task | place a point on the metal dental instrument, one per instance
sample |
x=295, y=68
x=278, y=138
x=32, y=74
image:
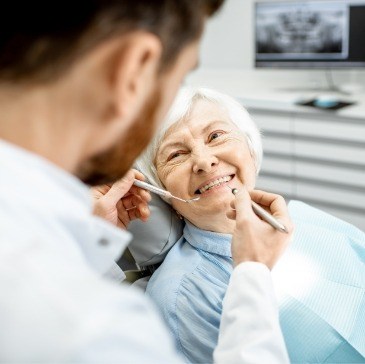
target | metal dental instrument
x=160, y=191
x=264, y=215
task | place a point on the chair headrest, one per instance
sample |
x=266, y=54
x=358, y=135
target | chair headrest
x=153, y=239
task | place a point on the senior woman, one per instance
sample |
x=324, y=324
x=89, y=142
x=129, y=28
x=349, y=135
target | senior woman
x=207, y=146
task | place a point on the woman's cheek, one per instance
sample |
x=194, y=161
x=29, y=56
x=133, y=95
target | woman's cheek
x=162, y=174
x=177, y=178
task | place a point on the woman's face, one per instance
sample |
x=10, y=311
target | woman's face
x=202, y=156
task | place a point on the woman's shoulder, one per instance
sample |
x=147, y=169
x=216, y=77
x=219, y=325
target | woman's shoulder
x=179, y=264
x=188, y=300
x=186, y=274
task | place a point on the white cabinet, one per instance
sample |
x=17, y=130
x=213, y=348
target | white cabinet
x=318, y=158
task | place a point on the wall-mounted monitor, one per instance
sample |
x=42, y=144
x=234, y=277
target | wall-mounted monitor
x=310, y=34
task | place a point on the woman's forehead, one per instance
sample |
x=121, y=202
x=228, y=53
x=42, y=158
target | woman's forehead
x=206, y=109
x=195, y=128
x=203, y=115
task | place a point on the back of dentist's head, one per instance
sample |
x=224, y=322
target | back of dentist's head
x=41, y=40
x=181, y=108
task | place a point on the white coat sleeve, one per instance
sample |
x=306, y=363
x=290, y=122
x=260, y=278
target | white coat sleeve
x=250, y=331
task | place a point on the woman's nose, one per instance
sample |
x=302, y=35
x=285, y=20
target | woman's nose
x=205, y=162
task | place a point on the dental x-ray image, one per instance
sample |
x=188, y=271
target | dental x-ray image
x=306, y=29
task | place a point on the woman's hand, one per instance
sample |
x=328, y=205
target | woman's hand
x=122, y=202
x=254, y=239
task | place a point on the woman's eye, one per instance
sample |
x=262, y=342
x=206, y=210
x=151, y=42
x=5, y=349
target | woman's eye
x=174, y=155
x=215, y=135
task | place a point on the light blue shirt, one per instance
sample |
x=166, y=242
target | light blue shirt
x=320, y=284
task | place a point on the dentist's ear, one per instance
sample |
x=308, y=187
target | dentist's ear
x=135, y=73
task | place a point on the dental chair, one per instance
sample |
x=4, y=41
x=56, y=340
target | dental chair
x=151, y=242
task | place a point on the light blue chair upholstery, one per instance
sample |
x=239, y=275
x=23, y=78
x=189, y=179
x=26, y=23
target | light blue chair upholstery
x=321, y=288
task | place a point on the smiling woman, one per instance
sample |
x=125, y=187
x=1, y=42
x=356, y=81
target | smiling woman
x=208, y=146
x=207, y=143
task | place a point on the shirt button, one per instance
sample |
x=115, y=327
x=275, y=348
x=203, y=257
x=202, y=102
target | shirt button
x=103, y=242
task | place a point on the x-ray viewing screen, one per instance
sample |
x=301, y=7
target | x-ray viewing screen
x=310, y=33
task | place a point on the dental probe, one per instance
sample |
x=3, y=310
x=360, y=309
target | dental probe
x=265, y=215
x=160, y=191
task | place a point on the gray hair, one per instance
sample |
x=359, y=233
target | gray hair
x=181, y=108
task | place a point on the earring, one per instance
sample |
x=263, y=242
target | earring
x=179, y=215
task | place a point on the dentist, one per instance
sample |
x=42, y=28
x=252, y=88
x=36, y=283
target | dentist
x=82, y=88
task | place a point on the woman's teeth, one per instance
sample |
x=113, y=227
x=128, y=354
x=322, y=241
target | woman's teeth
x=215, y=183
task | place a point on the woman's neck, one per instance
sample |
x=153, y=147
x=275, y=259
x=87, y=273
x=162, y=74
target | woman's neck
x=218, y=223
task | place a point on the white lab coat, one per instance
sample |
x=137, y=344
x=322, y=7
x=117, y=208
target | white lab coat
x=56, y=304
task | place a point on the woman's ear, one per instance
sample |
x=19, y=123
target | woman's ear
x=134, y=73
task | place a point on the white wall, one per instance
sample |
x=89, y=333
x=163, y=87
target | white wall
x=228, y=45
x=227, y=42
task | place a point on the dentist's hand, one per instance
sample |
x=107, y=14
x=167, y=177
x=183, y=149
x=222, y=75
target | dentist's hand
x=254, y=239
x=122, y=202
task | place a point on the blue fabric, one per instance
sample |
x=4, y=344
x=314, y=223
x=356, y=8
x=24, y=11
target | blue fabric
x=320, y=284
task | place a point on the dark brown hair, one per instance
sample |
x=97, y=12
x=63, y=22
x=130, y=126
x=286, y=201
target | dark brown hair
x=40, y=40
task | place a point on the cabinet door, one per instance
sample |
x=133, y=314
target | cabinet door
x=276, y=173
x=347, y=175
x=318, y=159
x=332, y=195
x=329, y=154
x=331, y=128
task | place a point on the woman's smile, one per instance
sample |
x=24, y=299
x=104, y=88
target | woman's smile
x=214, y=184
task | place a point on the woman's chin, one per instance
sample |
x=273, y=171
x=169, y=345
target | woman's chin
x=216, y=202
